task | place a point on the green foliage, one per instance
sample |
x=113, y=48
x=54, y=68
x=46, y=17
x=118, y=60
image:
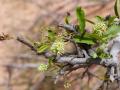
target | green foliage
x=94, y=55
x=81, y=19
x=113, y=30
x=102, y=32
x=51, y=35
x=67, y=18
x=50, y=62
x=101, y=54
x=99, y=18
x=94, y=42
x=93, y=36
x=117, y=8
x=111, y=20
x=85, y=40
x=42, y=48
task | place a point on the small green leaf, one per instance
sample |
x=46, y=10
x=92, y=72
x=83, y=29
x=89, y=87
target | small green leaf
x=50, y=62
x=51, y=35
x=67, y=18
x=81, y=19
x=94, y=55
x=117, y=8
x=113, y=30
x=99, y=18
x=93, y=36
x=84, y=40
x=111, y=20
x=42, y=48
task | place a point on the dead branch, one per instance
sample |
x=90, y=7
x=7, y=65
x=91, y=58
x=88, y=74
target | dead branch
x=21, y=66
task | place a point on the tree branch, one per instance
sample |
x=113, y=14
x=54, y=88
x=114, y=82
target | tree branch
x=21, y=66
x=111, y=64
x=26, y=42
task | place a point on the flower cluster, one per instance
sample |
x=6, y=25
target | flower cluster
x=99, y=28
x=117, y=21
x=67, y=85
x=43, y=67
x=58, y=46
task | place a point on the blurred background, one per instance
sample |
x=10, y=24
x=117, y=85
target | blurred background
x=28, y=17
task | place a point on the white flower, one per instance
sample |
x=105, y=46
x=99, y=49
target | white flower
x=58, y=46
x=116, y=21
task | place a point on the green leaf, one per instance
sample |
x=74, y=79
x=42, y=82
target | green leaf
x=117, y=8
x=51, y=35
x=81, y=19
x=42, y=48
x=99, y=18
x=67, y=18
x=113, y=30
x=50, y=62
x=111, y=20
x=84, y=40
x=93, y=36
x=94, y=55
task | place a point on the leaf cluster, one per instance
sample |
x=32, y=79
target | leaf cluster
x=86, y=37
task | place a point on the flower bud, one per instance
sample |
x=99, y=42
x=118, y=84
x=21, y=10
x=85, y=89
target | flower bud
x=58, y=46
x=99, y=28
x=43, y=67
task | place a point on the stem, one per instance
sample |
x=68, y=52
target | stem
x=89, y=21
